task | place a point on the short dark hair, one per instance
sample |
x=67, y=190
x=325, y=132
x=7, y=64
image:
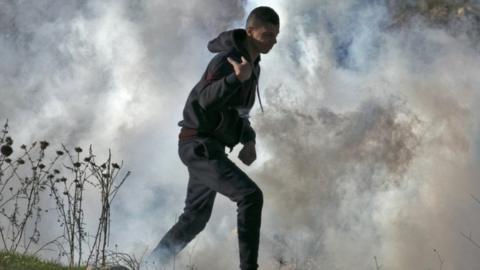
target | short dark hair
x=261, y=15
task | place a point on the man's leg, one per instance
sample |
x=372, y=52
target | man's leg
x=222, y=175
x=198, y=208
x=197, y=212
x=238, y=187
x=216, y=172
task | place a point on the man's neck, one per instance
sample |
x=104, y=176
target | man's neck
x=251, y=51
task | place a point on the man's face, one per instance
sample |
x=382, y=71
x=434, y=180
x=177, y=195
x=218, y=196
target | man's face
x=264, y=36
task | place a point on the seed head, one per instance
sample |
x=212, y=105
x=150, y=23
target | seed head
x=9, y=140
x=6, y=150
x=44, y=145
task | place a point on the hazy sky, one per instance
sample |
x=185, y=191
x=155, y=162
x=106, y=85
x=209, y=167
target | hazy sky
x=368, y=145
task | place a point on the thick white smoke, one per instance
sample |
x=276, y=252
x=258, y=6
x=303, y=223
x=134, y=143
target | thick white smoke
x=372, y=140
x=367, y=147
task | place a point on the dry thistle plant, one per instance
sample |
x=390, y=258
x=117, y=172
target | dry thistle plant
x=20, y=195
x=105, y=176
x=120, y=258
x=29, y=179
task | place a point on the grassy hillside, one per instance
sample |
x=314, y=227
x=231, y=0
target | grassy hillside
x=11, y=261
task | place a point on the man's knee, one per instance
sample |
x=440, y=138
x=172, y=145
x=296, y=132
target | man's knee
x=255, y=197
x=258, y=196
x=196, y=220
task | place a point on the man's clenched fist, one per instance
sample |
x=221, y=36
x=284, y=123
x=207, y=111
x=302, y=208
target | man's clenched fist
x=248, y=154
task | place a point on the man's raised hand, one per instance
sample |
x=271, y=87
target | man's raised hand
x=243, y=70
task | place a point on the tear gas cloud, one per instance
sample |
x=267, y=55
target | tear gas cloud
x=367, y=147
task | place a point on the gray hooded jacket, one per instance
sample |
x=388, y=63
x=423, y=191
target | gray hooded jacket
x=219, y=104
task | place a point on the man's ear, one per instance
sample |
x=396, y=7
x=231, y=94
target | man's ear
x=249, y=30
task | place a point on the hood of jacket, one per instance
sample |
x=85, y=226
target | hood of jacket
x=228, y=40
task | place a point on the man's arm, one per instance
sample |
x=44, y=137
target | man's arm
x=221, y=84
x=248, y=153
x=248, y=134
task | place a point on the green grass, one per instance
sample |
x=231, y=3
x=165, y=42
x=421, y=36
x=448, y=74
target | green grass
x=13, y=261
